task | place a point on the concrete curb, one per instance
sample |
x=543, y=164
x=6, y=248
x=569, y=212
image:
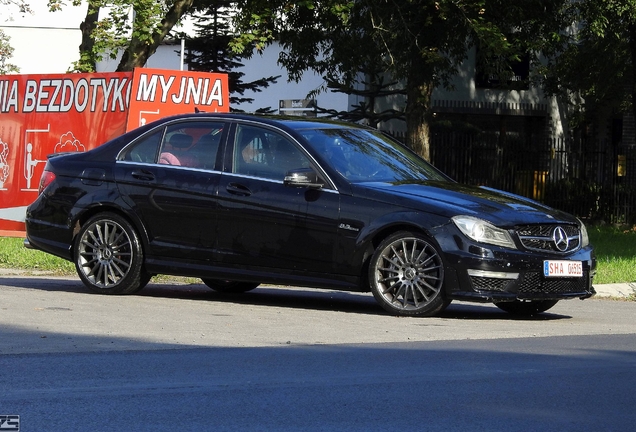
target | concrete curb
x=620, y=290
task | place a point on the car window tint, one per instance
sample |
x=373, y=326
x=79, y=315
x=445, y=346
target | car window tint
x=361, y=155
x=145, y=149
x=264, y=153
x=192, y=144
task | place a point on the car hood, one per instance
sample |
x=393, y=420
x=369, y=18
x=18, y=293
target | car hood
x=451, y=199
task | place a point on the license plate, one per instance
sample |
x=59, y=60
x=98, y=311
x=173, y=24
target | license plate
x=562, y=268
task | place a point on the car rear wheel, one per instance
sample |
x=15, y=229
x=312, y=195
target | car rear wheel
x=406, y=274
x=229, y=286
x=108, y=256
x=526, y=308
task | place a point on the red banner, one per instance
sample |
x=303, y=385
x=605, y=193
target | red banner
x=45, y=114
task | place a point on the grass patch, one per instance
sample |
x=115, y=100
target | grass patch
x=615, y=252
x=14, y=255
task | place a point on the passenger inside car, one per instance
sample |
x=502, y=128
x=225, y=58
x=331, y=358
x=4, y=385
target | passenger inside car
x=175, y=152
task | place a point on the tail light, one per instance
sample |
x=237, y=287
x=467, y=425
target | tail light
x=45, y=180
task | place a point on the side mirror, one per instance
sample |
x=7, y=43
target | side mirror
x=303, y=177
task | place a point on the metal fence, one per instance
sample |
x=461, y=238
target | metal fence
x=593, y=180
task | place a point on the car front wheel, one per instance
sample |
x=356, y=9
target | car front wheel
x=108, y=256
x=406, y=275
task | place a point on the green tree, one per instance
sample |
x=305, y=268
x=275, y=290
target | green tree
x=372, y=86
x=209, y=50
x=6, y=52
x=21, y=6
x=134, y=28
x=598, y=64
x=89, y=55
x=421, y=43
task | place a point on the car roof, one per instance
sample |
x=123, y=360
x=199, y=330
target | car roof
x=291, y=122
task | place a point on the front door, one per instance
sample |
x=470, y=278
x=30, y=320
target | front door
x=262, y=222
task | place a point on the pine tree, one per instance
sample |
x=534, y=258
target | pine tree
x=209, y=51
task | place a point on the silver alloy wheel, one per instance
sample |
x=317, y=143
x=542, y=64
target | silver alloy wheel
x=105, y=254
x=409, y=274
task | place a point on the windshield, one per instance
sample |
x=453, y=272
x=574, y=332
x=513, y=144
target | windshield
x=361, y=155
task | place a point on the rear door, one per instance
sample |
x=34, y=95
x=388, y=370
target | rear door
x=170, y=178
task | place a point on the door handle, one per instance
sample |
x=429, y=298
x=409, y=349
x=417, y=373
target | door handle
x=238, y=189
x=143, y=175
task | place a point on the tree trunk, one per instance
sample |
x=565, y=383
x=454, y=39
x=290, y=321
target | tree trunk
x=419, y=90
x=88, y=60
x=138, y=51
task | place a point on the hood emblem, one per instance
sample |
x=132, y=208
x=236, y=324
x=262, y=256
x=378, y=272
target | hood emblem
x=560, y=238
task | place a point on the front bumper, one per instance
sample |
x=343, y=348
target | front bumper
x=527, y=286
x=494, y=274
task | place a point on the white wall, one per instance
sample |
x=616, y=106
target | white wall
x=43, y=50
x=166, y=57
x=43, y=42
x=265, y=65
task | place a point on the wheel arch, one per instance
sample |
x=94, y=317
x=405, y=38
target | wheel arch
x=81, y=218
x=378, y=235
x=411, y=222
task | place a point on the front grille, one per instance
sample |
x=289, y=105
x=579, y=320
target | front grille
x=535, y=283
x=541, y=238
x=489, y=284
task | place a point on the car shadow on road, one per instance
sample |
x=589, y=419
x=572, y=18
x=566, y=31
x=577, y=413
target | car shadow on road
x=45, y=283
x=283, y=297
x=327, y=300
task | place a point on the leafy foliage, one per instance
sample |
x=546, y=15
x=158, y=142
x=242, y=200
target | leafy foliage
x=6, y=52
x=420, y=43
x=371, y=88
x=209, y=51
x=598, y=62
x=21, y=6
x=134, y=28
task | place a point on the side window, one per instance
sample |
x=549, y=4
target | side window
x=263, y=153
x=145, y=150
x=192, y=144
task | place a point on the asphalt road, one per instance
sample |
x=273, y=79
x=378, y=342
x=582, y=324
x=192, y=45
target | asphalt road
x=182, y=357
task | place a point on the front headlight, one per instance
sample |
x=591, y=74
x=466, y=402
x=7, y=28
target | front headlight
x=585, y=239
x=483, y=232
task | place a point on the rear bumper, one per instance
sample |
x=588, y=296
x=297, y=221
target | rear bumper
x=27, y=244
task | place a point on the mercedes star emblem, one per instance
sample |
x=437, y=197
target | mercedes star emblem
x=560, y=238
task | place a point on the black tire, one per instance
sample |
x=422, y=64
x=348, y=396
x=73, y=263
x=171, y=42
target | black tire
x=144, y=279
x=526, y=308
x=226, y=286
x=406, y=276
x=108, y=256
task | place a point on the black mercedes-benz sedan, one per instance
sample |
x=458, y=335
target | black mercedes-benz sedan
x=242, y=200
